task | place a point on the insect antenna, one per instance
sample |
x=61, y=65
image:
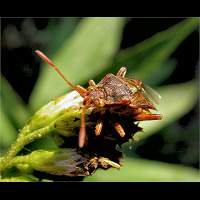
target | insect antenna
x=78, y=88
x=81, y=90
x=50, y=62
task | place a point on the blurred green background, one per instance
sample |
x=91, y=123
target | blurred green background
x=162, y=52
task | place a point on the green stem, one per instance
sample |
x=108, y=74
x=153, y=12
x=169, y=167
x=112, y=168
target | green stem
x=23, y=140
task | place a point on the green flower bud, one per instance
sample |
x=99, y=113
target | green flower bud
x=57, y=162
x=61, y=115
x=69, y=104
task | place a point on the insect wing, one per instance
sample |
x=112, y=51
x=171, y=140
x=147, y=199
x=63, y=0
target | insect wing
x=131, y=83
x=151, y=94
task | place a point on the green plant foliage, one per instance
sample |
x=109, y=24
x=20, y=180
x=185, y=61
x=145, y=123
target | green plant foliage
x=89, y=50
x=7, y=133
x=146, y=170
x=20, y=179
x=58, y=115
x=57, y=162
x=18, y=113
x=59, y=33
x=147, y=59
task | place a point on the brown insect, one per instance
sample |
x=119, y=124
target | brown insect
x=116, y=93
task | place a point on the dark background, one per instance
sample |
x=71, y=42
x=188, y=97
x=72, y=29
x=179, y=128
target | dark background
x=21, y=68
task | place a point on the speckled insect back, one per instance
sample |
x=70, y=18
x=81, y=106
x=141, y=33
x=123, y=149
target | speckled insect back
x=116, y=95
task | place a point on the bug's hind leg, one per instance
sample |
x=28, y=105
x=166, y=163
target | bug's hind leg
x=143, y=117
x=122, y=72
x=119, y=129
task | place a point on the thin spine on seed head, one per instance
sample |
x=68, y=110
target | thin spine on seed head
x=107, y=162
x=119, y=129
x=98, y=127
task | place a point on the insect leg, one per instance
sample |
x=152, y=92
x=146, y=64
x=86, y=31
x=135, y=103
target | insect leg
x=121, y=72
x=143, y=117
x=91, y=83
x=119, y=129
x=82, y=131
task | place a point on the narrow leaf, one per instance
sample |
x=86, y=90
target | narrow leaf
x=7, y=132
x=13, y=105
x=145, y=59
x=59, y=32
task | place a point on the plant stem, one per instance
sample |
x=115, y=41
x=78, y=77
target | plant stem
x=23, y=140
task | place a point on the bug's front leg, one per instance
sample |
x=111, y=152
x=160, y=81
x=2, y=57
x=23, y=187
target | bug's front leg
x=143, y=117
x=82, y=131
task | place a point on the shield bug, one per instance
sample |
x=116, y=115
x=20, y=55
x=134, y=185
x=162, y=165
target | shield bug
x=116, y=93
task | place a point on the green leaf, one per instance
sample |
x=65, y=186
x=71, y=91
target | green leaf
x=146, y=170
x=81, y=57
x=22, y=178
x=7, y=132
x=13, y=105
x=176, y=101
x=162, y=73
x=145, y=59
x=59, y=32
